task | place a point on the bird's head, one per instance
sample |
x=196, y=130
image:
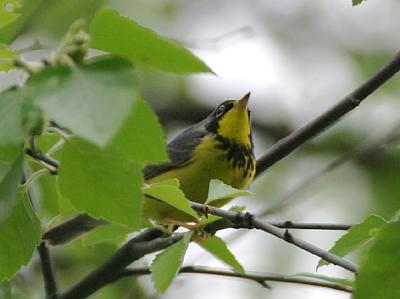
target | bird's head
x=231, y=119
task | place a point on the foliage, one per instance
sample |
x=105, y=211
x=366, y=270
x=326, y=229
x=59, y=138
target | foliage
x=379, y=272
x=19, y=235
x=170, y=193
x=357, y=236
x=357, y=2
x=90, y=115
x=166, y=264
x=217, y=247
x=114, y=33
x=7, y=56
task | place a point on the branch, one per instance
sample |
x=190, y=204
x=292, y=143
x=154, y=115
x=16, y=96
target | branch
x=35, y=153
x=50, y=283
x=150, y=240
x=71, y=229
x=294, y=140
x=361, y=152
x=259, y=278
x=247, y=220
x=215, y=226
x=42, y=157
x=302, y=225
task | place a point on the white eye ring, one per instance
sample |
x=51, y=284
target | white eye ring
x=220, y=111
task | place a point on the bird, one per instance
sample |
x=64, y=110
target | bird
x=218, y=147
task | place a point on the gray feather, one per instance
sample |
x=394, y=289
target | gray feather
x=180, y=149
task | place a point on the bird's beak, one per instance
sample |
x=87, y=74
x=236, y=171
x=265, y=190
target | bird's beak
x=242, y=103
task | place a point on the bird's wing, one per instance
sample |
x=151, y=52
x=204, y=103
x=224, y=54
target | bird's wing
x=180, y=150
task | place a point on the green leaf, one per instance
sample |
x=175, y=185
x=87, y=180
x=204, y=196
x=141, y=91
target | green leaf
x=379, y=273
x=8, y=11
x=357, y=236
x=19, y=236
x=9, y=31
x=92, y=100
x=47, y=194
x=65, y=206
x=218, y=191
x=357, y=2
x=112, y=232
x=46, y=141
x=170, y=182
x=7, y=58
x=9, y=187
x=171, y=195
x=141, y=137
x=166, y=264
x=8, y=154
x=102, y=183
x=114, y=33
x=11, y=117
x=217, y=247
x=52, y=21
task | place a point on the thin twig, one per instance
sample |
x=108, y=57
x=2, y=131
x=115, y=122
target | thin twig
x=260, y=278
x=148, y=241
x=34, y=176
x=247, y=220
x=35, y=153
x=221, y=224
x=50, y=283
x=305, y=225
x=294, y=140
x=59, y=131
x=76, y=226
x=390, y=140
x=44, y=158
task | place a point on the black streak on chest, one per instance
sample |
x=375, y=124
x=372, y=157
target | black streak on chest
x=239, y=155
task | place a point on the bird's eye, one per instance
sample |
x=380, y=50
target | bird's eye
x=220, y=110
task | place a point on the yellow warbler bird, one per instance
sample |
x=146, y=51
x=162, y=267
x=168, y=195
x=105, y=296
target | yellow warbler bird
x=218, y=147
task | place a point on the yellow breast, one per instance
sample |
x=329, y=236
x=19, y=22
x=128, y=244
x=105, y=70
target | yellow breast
x=215, y=158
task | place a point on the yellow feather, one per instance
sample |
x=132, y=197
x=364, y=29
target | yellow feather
x=209, y=161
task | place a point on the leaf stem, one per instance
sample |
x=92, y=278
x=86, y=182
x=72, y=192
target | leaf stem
x=35, y=176
x=58, y=131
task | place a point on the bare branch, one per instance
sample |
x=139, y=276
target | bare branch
x=365, y=150
x=148, y=241
x=260, y=278
x=50, y=283
x=294, y=140
x=215, y=226
x=247, y=220
x=316, y=226
x=71, y=229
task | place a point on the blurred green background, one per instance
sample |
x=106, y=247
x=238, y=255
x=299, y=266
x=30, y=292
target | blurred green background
x=297, y=58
